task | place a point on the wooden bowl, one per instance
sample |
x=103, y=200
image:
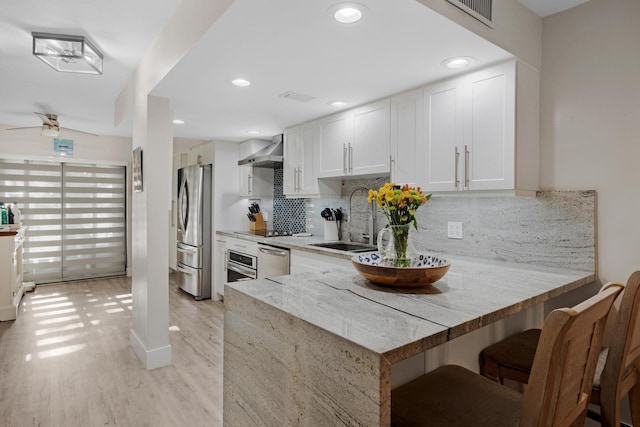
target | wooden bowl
x=423, y=271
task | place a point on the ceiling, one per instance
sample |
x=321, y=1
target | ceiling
x=549, y=7
x=279, y=45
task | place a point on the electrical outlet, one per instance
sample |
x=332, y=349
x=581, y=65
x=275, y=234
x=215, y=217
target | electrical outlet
x=454, y=230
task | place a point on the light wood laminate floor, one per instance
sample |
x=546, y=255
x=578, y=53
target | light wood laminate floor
x=66, y=361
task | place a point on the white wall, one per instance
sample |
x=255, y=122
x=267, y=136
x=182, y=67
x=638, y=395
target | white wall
x=516, y=29
x=28, y=142
x=590, y=120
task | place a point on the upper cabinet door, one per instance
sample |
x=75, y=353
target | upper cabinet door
x=490, y=126
x=291, y=161
x=335, y=133
x=307, y=150
x=407, y=136
x=355, y=142
x=470, y=140
x=444, y=131
x=368, y=150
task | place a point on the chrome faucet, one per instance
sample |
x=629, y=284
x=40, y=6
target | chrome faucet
x=371, y=237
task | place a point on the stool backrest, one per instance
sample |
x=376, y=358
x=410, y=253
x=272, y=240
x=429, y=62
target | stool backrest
x=565, y=362
x=622, y=368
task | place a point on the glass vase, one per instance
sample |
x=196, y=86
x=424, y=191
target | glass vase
x=398, y=250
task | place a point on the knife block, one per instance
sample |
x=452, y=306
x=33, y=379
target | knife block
x=258, y=224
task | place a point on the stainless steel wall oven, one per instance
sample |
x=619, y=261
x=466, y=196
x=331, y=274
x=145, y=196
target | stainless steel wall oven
x=241, y=266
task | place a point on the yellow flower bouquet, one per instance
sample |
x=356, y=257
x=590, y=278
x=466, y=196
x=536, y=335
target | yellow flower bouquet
x=399, y=204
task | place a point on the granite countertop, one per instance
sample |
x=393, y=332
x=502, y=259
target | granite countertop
x=290, y=242
x=400, y=323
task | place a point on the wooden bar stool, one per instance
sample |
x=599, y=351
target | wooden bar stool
x=618, y=369
x=559, y=384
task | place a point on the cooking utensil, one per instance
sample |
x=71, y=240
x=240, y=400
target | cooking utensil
x=327, y=214
x=337, y=213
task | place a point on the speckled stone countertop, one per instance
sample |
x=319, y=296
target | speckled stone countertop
x=397, y=324
x=290, y=242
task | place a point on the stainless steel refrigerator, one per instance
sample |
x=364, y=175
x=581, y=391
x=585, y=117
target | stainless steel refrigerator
x=194, y=230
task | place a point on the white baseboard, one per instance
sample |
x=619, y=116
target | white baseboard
x=151, y=359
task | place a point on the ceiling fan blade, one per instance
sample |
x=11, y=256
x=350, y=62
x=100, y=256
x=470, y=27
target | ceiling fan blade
x=45, y=119
x=25, y=127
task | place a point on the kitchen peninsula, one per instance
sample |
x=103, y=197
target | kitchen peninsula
x=318, y=348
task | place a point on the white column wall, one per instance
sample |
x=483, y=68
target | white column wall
x=152, y=130
x=151, y=207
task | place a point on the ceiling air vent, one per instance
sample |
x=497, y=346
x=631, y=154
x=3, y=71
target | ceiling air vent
x=296, y=96
x=482, y=10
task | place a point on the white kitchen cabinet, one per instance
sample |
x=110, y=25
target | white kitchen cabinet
x=407, y=136
x=444, y=132
x=355, y=142
x=11, y=286
x=222, y=245
x=256, y=182
x=470, y=133
x=220, y=268
x=299, y=169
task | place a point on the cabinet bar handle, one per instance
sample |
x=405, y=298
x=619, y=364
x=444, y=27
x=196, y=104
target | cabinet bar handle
x=457, y=159
x=249, y=186
x=350, y=159
x=466, y=167
x=344, y=157
x=299, y=179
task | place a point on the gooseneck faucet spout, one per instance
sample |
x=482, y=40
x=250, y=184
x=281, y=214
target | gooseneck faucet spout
x=371, y=237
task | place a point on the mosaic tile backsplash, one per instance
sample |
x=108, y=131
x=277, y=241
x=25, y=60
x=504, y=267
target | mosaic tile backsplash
x=288, y=214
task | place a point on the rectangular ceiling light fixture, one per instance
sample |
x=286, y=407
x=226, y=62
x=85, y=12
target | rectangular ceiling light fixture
x=70, y=54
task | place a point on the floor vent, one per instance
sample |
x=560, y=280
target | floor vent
x=296, y=96
x=482, y=10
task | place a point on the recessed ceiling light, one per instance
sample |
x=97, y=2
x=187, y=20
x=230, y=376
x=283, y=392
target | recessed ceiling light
x=457, y=62
x=337, y=103
x=241, y=82
x=253, y=132
x=348, y=13
x=178, y=122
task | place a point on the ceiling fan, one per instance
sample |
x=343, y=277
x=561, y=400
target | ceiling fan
x=51, y=126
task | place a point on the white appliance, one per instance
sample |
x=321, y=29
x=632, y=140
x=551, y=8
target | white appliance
x=194, y=230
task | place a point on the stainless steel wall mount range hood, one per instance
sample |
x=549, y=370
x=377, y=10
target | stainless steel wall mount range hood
x=269, y=157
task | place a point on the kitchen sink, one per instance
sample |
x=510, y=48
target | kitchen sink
x=346, y=246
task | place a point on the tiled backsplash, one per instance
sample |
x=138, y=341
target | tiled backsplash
x=555, y=229
x=288, y=214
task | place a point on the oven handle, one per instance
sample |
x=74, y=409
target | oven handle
x=276, y=252
x=241, y=270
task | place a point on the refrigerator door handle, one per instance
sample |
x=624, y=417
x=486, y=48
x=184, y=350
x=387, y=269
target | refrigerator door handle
x=183, y=205
x=186, y=270
x=186, y=249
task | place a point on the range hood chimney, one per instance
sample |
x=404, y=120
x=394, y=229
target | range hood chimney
x=268, y=157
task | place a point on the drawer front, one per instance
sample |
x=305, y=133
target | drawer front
x=243, y=246
x=189, y=255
